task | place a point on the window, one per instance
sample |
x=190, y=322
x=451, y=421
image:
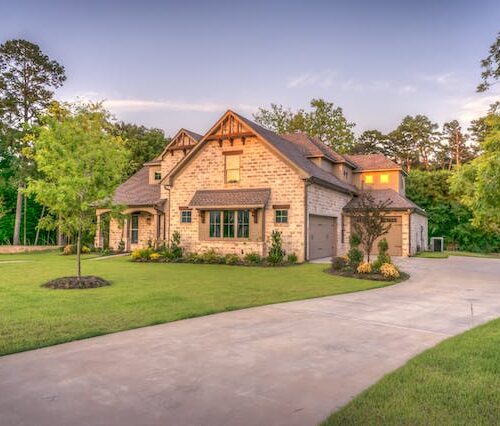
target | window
x=281, y=216
x=215, y=224
x=134, y=229
x=369, y=179
x=157, y=175
x=185, y=216
x=384, y=178
x=232, y=171
x=243, y=224
x=229, y=224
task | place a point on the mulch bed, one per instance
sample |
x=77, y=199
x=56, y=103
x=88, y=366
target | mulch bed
x=374, y=277
x=69, y=283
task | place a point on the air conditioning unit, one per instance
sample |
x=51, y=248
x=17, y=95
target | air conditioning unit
x=437, y=244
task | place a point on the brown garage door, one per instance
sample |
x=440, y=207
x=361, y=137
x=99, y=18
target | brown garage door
x=322, y=231
x=394, y=236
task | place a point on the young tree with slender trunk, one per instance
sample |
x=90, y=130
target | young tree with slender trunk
x=368, y=219
x=80, y=164
x=27, y=77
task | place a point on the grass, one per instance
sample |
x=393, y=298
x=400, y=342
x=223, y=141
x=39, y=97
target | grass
x=141, y=294
x=456, y=382
x=445, y=254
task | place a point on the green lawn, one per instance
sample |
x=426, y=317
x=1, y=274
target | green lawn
x=445, y=254
x=456, y=382
x=141, y=294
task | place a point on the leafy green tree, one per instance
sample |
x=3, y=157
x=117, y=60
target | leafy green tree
x=373, y=142
x=478, y=183
x=454, y=148
x=324, y=121
x=143, y=144
x=490, y=66
x=81, y=164
x=415, y=141
x=27, y=77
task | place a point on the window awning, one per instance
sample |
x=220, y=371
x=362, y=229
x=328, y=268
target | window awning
x=234, y=198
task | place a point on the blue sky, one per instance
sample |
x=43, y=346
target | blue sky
x=181, y=64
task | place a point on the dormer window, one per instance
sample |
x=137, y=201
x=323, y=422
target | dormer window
x=384, y=178
x=232, y=167
x=369, y=179
x=157, y=175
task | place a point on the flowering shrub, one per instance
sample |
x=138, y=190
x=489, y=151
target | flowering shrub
x=364, y=268
x=154, y=256
x=388, y=270
x=141, y=254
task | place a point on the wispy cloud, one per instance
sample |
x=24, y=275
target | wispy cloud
x=378, y=86
x=407, y=89
x=447, y=79
x=321, y=79
x=473, y=107
x=161, y=105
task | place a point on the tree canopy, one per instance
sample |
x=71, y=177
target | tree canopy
x=80, y=164
x=490, y=66
x=324, y=121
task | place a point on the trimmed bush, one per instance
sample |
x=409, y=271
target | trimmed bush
x=339, y=263
x=212, y=256
x=389, y=271
x=355, y=255
x=85, y=250
x=67, y=250
x=175, y=245
x=193, y=258
x=383, y=256
x=276, y=253
x=141, y=254
x=292, y=258
x=364, y=268
x=252, y=259
x=232, y=259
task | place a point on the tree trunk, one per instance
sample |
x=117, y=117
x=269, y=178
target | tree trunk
x=24, y=219
x=78, y=253
x=17, y=223
x=38, y=226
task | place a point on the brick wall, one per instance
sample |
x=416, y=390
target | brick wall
x=260, y=168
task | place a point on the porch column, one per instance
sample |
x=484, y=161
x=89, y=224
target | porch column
x=97, y=239
x=126, y=227
x=157, y=227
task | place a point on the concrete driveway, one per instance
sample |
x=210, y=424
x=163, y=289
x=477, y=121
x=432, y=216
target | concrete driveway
x=284, y=364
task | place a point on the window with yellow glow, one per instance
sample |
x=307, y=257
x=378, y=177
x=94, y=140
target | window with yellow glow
x=384, y=178
x=369, y=179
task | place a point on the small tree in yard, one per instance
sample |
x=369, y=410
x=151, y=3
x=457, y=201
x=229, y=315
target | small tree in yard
x=81, y=164
x=368, y=220
x=276, y=252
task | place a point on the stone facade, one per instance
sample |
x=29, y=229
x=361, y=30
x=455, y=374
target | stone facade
x=259, y=168
x=418, y=231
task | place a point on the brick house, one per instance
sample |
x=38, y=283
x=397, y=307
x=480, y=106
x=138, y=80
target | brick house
x=230, y=188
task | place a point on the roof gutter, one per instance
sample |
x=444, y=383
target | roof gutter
x=324, y=183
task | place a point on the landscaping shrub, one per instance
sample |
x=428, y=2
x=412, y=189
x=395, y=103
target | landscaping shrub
x=85, y=250
x=276, y=253
x=292, y=258
x=383, y=256
x=121, y=246
x=67, y=250
x=155, y=256
x=211, y=256
x=193, y=258
x=389, y=271
x=355, y=255
x=175, y=245
x=232, y=259
x=141, y=254
x=339, y=263
x=364, y=268
x=253, y=259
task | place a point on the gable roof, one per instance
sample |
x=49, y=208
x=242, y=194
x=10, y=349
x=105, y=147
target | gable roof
x=373, y=162
x=313, y=147
x=195, y=137
x=136, y=190
x=398, y=201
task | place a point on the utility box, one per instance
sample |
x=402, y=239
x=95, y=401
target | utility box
x=437, y=244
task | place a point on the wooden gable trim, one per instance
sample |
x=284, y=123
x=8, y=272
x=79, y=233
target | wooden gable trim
x=170, y=146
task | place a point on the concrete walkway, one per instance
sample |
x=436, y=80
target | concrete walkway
x=285, y=364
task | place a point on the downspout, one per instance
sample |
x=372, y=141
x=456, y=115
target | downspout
x=307, y=184
x=409, y=233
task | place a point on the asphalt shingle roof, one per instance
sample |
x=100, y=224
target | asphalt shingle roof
x=136, y=190
x=231, y=197
x=398, y=201
x=373, y=162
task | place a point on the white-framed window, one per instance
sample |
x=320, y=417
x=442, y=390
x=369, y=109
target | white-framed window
x=281, y=216
x=185, y=216
x=134, y=229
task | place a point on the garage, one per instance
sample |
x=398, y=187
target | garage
x=322, y=232
x=394, y=237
